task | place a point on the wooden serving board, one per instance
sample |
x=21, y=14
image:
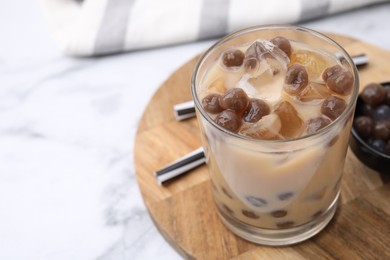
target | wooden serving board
x=184, y=212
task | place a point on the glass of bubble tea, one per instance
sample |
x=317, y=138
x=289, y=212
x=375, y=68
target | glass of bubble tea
x=275, y=105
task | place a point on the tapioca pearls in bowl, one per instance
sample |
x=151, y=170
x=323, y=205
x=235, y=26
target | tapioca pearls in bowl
x=370, y=140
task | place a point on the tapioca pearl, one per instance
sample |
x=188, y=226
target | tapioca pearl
x=378, y=144
x=331, y=71
x=256, y=201
x=250, y=214
x=333, y=107
x=211, y=103
x=285, y=195
x=341, y=83
x=233, y=58
x=235, y=99
x=381, y=112
x=283, y=44
x=229, y=120
x=224, y=190
x=256, y=110
x=296, y=79
x=382, y=130
x=373, y=94
x=364, y=126
x=285, y=224
x=366, y=110
x=315, y=124
x=279, y=213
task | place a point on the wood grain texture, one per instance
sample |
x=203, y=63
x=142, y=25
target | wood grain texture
x=184, y=212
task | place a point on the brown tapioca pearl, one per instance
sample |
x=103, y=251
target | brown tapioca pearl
x=227, y=209
x=226, y=192
x=331, y=71
x=257, y=202
x=249, y=214
x=285, y=195
x=233, y=58
x=229, y=120
x=279, y=213
x=315, y=124
x=285, y=224
x=364, y=126
x=381, y=112
x=367, y=110
x=377, y=144
x=373, y=94
x=333, y=107
x=283, y=44
x=341, y=83
x=211, y=103
x=256, y=110
x=333, y=141
x=235, y=99
x=381, y=130
x=296, y=79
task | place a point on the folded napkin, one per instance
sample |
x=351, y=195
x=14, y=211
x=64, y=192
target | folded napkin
x=98, y=27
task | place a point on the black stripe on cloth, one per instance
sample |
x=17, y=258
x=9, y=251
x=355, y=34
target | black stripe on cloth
x=111, y=35
x=314, y=9
x=213, y=18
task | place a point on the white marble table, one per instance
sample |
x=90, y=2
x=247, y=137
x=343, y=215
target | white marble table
x=67, y=127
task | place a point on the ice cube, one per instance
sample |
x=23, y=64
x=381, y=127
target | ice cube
x=217, y=86
x=314, y=62
x=263, y=56
x=314, y=93
x=267, y=128
x=292, y=124
x=265, y=86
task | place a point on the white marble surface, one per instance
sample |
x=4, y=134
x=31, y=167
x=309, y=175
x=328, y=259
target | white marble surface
x=67, y=127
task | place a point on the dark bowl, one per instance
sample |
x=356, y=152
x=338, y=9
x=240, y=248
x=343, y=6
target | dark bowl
x=374, y=159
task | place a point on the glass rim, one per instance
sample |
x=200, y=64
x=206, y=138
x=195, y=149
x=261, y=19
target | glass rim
x=233, y=35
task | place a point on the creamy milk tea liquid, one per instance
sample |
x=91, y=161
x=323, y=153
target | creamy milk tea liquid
x=274, y=139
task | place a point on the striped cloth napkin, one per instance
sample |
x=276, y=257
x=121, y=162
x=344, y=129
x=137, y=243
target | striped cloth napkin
x=98, y=27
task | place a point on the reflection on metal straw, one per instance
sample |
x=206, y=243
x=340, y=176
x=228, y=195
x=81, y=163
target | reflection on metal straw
x=181, y=166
